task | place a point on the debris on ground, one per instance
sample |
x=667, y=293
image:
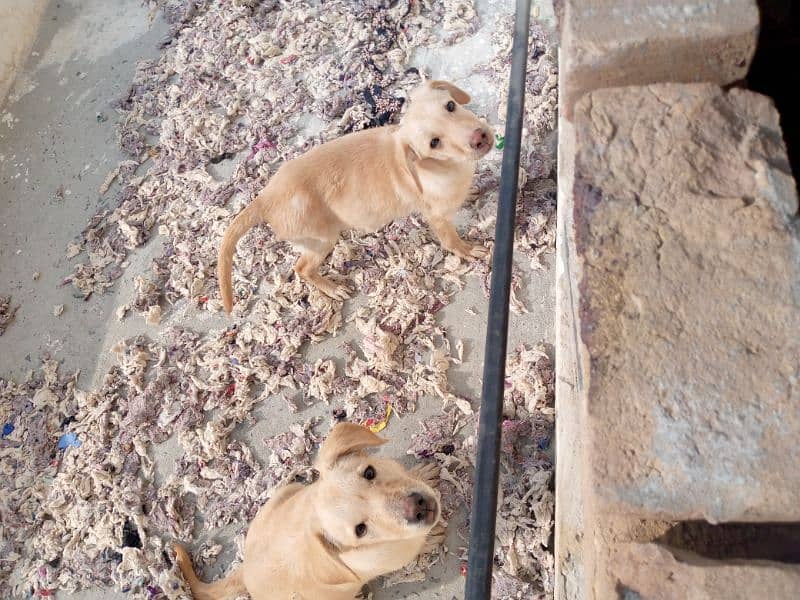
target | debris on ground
x=524, y=564
x=7, y=312
x=253, y=84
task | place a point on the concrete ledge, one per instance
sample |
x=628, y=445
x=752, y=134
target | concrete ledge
x=678, y=263
x=689, y=306
x=613, y=43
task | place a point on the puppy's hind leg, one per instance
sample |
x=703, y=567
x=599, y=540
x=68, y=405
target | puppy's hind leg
x=312, y=254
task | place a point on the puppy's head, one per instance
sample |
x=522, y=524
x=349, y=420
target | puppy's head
x=436, y=125
x=367, y=500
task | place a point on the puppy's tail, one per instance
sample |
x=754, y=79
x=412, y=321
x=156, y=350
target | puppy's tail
x=224, y=589
x=249, y=217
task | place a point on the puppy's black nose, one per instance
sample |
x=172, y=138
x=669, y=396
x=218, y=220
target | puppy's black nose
x=478, y=139
x=419, y=509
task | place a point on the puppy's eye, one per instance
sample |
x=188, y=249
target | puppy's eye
x=450, y=106
x=435, y=142
x=361, y=530
x=369, y=473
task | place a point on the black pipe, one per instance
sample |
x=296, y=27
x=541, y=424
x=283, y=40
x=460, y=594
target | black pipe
x=484, y=498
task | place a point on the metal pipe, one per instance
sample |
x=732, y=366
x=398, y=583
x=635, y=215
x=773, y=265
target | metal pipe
x=484, y=498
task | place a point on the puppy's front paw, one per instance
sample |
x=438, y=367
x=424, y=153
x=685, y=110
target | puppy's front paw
x=478, y=251
x=469, y=251
x=337, y=291
x=435, y=538
x=427, y=473
x=340, y=292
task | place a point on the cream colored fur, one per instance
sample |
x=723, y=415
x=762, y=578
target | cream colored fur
x=364, y=180
x=304, y=543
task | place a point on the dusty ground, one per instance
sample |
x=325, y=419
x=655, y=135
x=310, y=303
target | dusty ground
x=57, y=145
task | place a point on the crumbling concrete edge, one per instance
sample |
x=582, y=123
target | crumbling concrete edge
x=573, y=531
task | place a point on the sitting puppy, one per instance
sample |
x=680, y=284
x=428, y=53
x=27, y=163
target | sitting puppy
x=364, y=517
x=366, y=179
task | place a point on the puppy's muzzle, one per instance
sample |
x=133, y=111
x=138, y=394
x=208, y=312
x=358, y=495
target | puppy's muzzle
x=480, y=141
x=419, y=509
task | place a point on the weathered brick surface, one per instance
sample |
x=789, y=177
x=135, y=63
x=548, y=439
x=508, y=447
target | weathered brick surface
x=685, y=222
x=609, y=43
x=651, y=572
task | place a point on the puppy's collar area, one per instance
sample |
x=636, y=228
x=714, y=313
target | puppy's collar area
x=406, y=142
x=334, y=551
x=330, y=544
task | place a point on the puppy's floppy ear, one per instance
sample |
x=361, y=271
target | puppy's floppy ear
x=457, y=93
x=344, y=439
x=411, y=158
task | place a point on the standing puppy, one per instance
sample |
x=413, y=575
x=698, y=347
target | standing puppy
x=366, y=179
x=364, y=517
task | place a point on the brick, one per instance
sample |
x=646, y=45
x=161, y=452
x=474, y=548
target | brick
x=685, y=225
x=652, y=572
x=611, y=43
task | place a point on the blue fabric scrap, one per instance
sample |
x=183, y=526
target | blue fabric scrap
x=68, y=440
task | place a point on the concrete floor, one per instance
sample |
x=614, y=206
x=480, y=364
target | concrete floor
x=55, y=153
x=57, y=144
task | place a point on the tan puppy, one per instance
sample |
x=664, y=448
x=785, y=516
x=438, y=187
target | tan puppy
x=364, y=517
x=367, y=179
